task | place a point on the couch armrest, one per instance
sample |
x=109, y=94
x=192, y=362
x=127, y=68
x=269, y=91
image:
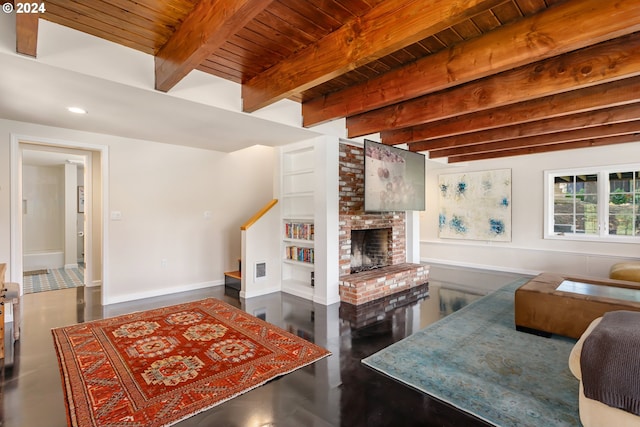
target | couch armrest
x=576, y=351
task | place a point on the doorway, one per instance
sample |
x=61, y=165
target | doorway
x=72, y=238
x=53, y=217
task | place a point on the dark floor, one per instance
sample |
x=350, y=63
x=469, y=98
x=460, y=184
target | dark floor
x=336, y=391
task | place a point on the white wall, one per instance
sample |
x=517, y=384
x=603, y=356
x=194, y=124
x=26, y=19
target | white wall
x=162, y=192
x=327, y=269
x=261, y=244
x=528, y=251
x=43, y=196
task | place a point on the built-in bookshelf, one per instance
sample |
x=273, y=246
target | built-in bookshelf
x=308, y=194
x=299, y=230
x=299, y=254
x=298, y=225
x=298, y=237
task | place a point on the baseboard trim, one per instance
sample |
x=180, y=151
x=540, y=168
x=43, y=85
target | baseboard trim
x=246, y=295
x=480, y=266
x=162, y=292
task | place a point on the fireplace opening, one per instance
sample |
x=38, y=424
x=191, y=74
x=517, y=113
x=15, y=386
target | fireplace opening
x=369, y=249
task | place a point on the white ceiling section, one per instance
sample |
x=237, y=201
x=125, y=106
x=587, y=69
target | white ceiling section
x=115, y=85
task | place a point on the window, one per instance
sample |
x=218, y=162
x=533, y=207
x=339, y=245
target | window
x=595, y=204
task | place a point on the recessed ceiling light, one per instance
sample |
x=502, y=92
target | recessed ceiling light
x=77, y=110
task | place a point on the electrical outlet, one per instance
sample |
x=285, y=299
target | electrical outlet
x=164, y=263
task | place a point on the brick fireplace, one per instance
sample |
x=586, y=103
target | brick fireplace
x=393, y=223
x=370, y=249
x=396, y=275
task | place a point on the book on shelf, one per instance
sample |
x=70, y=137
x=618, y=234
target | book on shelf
x=299, y=230
x=301, y=254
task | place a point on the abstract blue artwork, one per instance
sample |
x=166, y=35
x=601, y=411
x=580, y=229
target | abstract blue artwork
x=475, y=205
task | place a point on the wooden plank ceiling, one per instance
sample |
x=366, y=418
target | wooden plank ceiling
x=461, y=79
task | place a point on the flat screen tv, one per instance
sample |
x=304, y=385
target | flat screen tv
x=394, y=179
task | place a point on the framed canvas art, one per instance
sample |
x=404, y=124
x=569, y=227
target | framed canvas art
x=475, y=205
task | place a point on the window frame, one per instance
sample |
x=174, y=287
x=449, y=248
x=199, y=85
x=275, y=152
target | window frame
x=603, y=198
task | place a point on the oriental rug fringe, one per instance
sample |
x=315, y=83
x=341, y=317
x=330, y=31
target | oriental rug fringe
x=158, y=367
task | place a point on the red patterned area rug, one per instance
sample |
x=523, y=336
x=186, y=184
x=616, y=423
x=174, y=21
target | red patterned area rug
x=158, y=367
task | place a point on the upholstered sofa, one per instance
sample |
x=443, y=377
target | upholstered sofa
x=594, y=413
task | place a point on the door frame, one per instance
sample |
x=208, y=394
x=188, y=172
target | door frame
x=16, y=204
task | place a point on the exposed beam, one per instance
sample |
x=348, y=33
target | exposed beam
x=617, y=129
x=607, y=95
x=595, y=142
x=604, y=62
x=553, y=31
x=202, y=32
x=356, y=43
x=582, y=120
x=27, y=33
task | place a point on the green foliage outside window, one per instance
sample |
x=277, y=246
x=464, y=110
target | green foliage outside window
x=619, y=197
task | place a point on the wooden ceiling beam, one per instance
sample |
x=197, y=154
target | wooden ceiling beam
x=608, y=61
x=587, y=143
x=356, y=43
x=203, y=31
x=553, y=31
x=593, y=98
x=626, y=128
x=582, y=120
x=27, y=33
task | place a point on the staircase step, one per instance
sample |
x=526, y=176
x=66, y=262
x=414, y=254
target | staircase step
x=234, y=274
x=233, y=280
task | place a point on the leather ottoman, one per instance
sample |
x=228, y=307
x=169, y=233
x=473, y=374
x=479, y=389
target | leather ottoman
x=566, y=305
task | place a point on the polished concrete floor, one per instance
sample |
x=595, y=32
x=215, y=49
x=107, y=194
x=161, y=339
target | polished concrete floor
x=336, y=391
